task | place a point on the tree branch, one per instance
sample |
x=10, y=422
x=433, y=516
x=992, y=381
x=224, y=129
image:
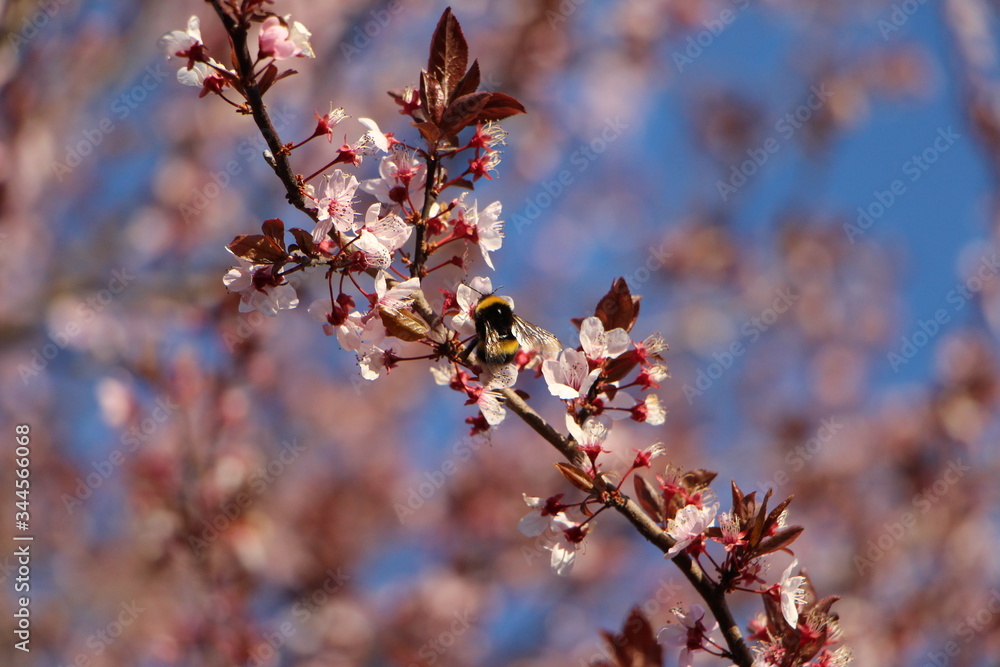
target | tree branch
x=565, y=444
x=244, y=63
x=713, y=594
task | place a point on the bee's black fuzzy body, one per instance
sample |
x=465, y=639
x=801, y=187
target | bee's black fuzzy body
x=495, y=322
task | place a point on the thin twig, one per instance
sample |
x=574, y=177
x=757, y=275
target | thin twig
x=420, y=249
x=244, y=65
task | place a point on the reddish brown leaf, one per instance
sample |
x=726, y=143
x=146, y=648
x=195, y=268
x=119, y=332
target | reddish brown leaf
x=449, y=55
x=776, y=512
x=432, y=96
x=257, y=248
x=698, y=478
x=469, y=83
x=576, y=476
x=824, y=605
x=274, y=229
x=303, y=240
x=757, y=526
x=775, y=619
x=267, y=78
x=618, y=308
x=609, y=389
x=429, y=131
x=462, y=112
x=287, y=73
x=650, y=499
x=500, y=106
x=738, y=502
x=403, y=324
x=636, y=646
x=422, y=90
x=779, y=540
x=243, y=243
x=619, y=367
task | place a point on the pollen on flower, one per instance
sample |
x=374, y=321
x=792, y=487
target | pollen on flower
x=599, y=344
x=647, y=380
x=481, y=166
x=590, y=437
x=544, y=515
x=644, y=458
x=488, y=136
x=689, y=634
x=491, y=407
x=569, y=537
x=569, y=376
x=206, y=75
x=328, y=121
x=651, y=411
x=374, y=136
x=654, y=344
x=790, y=593
x=408, y=100
x=732, y=536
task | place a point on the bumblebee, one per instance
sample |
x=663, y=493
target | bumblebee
x=500, y=334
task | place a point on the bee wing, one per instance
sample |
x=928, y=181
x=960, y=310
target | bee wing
x=492, y=338
x=532, y=337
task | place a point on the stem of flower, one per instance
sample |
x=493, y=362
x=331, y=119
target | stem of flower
x=419, y=251
x=318, y=171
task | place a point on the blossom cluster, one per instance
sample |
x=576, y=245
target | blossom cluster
x=375, y=253
x=796, y=628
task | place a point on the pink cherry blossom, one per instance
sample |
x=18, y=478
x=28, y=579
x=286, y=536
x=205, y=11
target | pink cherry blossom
x=488, y=226
x=689, y=635
x=281, y=41
x=600, y=344
x=400, y=173
x=791, y=593
x=569, y=376
x=259, y=289
x=336, y=208
x=183, y=43
x=689, y=526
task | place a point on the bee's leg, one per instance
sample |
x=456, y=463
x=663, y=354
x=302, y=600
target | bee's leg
x=469, y=348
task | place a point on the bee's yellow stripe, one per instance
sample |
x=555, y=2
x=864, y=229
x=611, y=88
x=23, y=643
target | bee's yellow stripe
x=491, y=300
x=508, y=347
